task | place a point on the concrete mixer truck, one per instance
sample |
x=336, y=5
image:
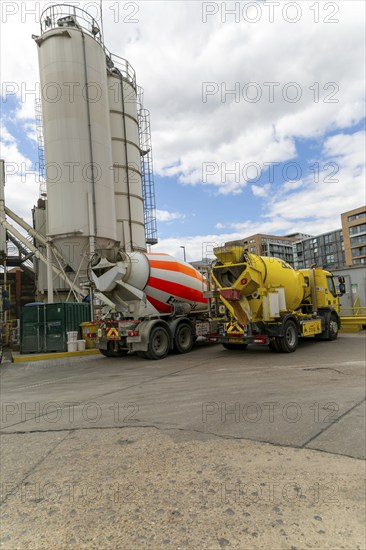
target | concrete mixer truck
x=161, y=303
x=268, y=302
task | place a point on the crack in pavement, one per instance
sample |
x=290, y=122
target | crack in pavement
x=188, y=430
x=119, y=390
x=336, y=421
x=40, y=461
x=327, y=368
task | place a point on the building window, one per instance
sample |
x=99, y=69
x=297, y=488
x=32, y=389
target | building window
x=253, y=249
x=356, y=216
x=330, y=259
x=358, y=240
x=357, y=229
x=328, y=238
x=359, y=261
x=359, y=251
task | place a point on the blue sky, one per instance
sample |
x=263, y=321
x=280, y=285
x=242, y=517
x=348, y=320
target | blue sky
x=309, y=152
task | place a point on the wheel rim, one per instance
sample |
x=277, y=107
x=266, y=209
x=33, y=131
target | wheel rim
x=184, y=339
x=291, y=336
x=160, y=342
x=333, y=326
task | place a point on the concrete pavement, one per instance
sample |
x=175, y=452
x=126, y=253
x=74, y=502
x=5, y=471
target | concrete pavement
x=207, y=450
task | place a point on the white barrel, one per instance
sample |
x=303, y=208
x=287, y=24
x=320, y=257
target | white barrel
x=72, y=346
x=81, y=345
x=72, y=336
x=76, y=125
x=126, y=158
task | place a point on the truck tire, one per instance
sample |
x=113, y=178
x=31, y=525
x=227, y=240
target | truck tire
x=184, y=338
x=237, y=347
x=159, y=344
x=111, y=352
x=333, y=327
x=288, y=343
x=274, y=345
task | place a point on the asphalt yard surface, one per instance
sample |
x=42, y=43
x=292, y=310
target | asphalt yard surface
x=208, y=450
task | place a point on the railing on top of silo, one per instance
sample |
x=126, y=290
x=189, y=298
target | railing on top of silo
x=68, y=16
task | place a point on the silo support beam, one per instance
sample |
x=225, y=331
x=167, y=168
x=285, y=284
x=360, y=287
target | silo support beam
x=22, y=239
x=35, y=234
x=75, y=289
x=49, y=274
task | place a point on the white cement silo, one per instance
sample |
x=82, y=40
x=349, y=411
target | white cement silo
x=76, y=125
x=126, y=155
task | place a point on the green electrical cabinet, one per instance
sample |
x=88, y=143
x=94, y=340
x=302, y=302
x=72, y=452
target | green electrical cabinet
x=44, y=327
x=32, y=329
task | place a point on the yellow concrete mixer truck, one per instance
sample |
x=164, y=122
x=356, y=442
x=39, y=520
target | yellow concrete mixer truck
x=268, y=302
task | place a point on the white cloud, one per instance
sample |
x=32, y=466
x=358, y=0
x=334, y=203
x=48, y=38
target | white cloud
x=339, y=186
x=292, y=185
x=22, y=182
x=261, y=191
x=313, y=205
x=31, y=131
x=165, y=216
x=188, y=132
x=173, y=66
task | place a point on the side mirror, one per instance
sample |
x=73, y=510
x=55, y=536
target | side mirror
x=342, y=289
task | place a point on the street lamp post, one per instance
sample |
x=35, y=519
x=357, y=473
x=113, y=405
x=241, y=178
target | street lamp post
x=184, y=252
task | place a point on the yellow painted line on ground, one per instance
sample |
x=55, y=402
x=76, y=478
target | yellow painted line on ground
x=57, y=355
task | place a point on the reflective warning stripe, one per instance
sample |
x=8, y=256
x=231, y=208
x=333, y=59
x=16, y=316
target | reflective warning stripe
x=234, y=328
x=112, y=333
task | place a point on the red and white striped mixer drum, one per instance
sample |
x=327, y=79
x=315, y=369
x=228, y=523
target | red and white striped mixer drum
x=172, y=280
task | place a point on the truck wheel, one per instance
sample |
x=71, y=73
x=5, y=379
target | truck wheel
x=288, y=343
x=238, y=347
x=159, y=343
x=184, y=338
x=274, y=345
x=333, y=327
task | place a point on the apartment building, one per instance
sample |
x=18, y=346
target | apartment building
x=271, y=245
x=326, y=250
x=354, y=235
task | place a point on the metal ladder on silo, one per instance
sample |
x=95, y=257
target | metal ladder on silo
x=41, y=154
x=147, y=175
